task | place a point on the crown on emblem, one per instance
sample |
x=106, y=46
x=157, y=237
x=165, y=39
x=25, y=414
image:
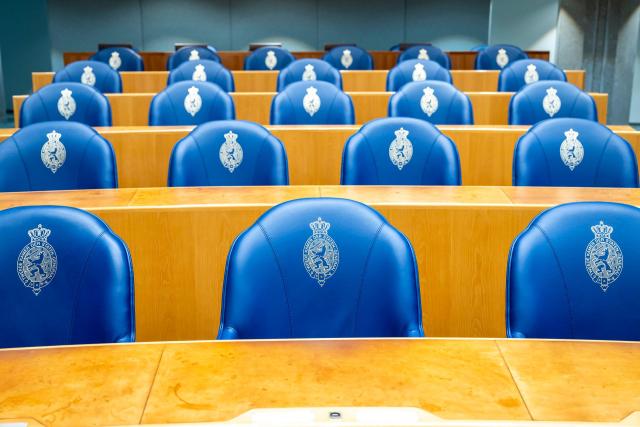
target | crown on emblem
x=602, y=230
x=320, y=226
x=346, y=52
x=115, y=54
x=312, y=90
x=308, y=67
x=199, y=67
x=428, y=91
x=270, y=53
x=501, y=51
x=230, y=136
x=531, y=67
x=65, y=93
x=53, y=136
x=39, y=233
x=571, y=135
x=401, y=133
x=552, y=91
x=87, y=69
x=418, y=66
x=193, y=90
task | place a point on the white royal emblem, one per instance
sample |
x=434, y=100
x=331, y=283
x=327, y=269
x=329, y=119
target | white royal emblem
x=551, y=102
x=194, y=55
x=320, y=254
x=346, y=60
x=53, y=153
x=603, y=257
x=429, y=102
x=423, y=54
x=309, y=73
x=193, y=101
x=115, y=61
x=231, y=151
x=66, y=104
x=270, y=60
x=87, y=77
x=531, y=76
x=401, y=149
x=37, y=262
x=571, y=150
x=502, y=59
x=199, y=74
x=311, y=101
x=419, y=74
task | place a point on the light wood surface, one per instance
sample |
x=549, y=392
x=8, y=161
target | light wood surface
x=217, y=381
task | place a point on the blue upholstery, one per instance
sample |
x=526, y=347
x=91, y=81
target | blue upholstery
x=574, y=153
x=321, y=268
x=400, y=151
x=416, y=70
x=190, y=103
x=66, y=101
x=204, y=70
x=436, y=102
x=228, y=152
x=66, y=279
x=574, y=273
x=297, y=104
x=550, y=99
x=309, y=69
x=120, y=58
x=432, y=53
x=520, y=73
x=91, y=73
x=57, y=156
x=498, y=56
x=191, y=53
x=349, y=58
x=268, y=58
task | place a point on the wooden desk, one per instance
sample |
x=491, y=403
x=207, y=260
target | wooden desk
x=266, y=81
x=489, y=108
x=215, y=381
x=179, y=239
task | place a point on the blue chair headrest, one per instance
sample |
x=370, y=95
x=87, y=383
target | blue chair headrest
x=349, y=58
x=426, y=52
x=205, y=71
x=498, y=56
x=91, y=73
x=120, y=58
x=191, y=53
x=268, y=58
x=308, y=69
x=412, y=70
x=522, y=72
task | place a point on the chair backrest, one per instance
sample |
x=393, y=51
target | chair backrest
x=190, y=103
x=349, y=58
x=312, y=103
x=436, y=102
x=268, y=58
x=416, y=70
x=426, y=52
x=228, y=152
x=400, y=151
x=520, y=73
x=66, y=101
x=203, y=71
x=498, y=56
x=550, y=99
x=66, y=279
x=120, y=58
x=321, y=268
x=191, y=53
x=57, y=156
x=309, y=69
x=96, y=74
x=574, y=273
x=574, y=153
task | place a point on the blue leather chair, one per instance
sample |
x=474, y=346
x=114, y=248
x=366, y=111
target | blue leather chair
x=312, y=103
x=91, y=73
x=66, y=279
x=308, y=69
x=437, y=102
x=574, y=274
x=520, y=73
x=573, y=153
x=321, y=268
x=550, y=99
x=120, y=58
x=191, y=53
x=228, y=152
x=66, y=101
x=413, y=70
x=190, y=103
x=203, y=71
x=349, y=58
x=400, y=151
x=268, y=58
x=498, y=56
x=426, y=52
x=57, y=156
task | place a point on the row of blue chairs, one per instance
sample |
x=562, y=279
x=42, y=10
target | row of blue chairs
x=390, y=151
x=307, y=103
x=316, y=268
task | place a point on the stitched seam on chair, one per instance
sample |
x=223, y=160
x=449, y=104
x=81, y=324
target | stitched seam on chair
x=333, y=101
x=280, y=270
x=204, y=164
x=575, y=101
x=44, y=108
x=173, y=108
x=532, y=108
x=24, y=165
x=546, y=160
x=424, y=166
x=91, y=102
x=373, y=156
x=604, y=149
x=564, y=281
x=263, y=145
x=451, y=102
x=84, y=153
x=362, y=275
